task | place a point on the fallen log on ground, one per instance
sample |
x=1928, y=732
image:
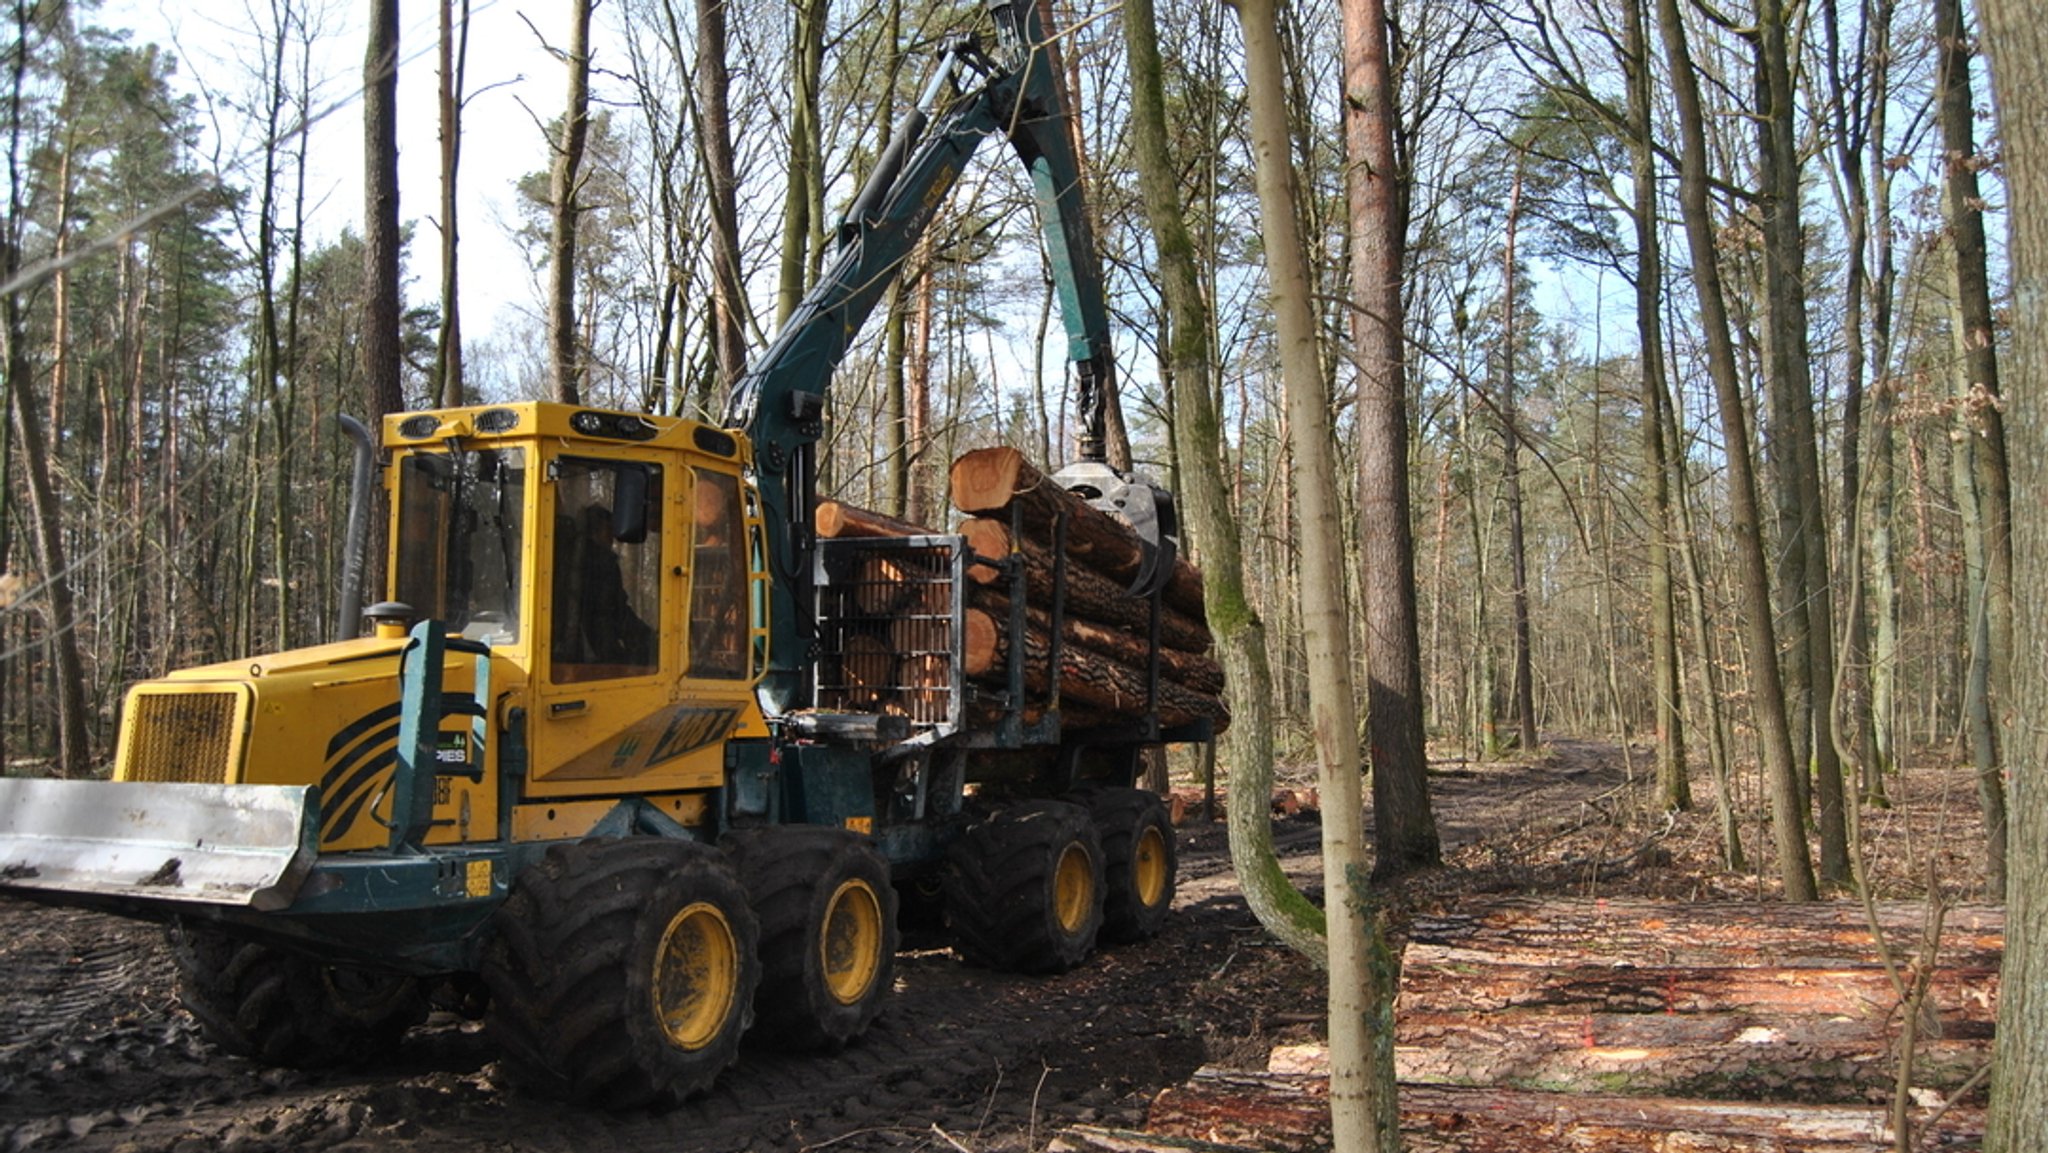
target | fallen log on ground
x=1289, y=1113
x=1527, y=931
x=1662, y=1055
x=1093, y=1139
x=1286, y=801
x=1960, y=994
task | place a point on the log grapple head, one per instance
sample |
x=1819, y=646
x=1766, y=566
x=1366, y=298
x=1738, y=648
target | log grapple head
x=1146, y=507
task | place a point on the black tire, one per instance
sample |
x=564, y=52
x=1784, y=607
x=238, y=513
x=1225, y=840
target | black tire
x=1139, y=861
x=622, y=972
x=1024, y=890
x=283, y=1009
x=828, y=932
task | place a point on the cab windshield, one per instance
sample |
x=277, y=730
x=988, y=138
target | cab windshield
x=461, y=517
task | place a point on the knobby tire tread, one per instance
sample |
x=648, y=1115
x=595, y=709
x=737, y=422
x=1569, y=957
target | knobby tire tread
x=569, y=1007
x=789, y=872
x=279, y=1008
x=1000, y=898
x=1121, y=815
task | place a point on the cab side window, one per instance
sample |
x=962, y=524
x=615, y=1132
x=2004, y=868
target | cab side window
x=718, y=579
x=607, y=571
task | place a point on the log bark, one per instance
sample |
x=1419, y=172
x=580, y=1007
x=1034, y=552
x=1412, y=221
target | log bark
x=988, y=481
x=1769, y=992
x=1196, y=671
x=1779, y=1001
x=1563, y=933
x=1089, y=593
x=1748, y=1056
x=1097, y=682
x=1092, y=1139
x=1290, y=1114
x=837, y=519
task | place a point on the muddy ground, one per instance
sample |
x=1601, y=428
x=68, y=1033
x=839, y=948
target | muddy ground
x=96, y=1055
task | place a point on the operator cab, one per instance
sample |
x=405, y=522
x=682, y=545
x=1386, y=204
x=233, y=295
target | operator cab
x=613, y=560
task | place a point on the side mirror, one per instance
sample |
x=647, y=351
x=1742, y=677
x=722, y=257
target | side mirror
x=629, y=503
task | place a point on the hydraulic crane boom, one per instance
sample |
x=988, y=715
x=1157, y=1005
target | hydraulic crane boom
x=1014, y=91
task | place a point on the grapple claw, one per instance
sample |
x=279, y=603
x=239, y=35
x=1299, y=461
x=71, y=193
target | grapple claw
x=1146, y=507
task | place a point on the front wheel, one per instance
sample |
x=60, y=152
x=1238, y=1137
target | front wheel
x=1024, y=890
x=284, y=1009
x=622, y=972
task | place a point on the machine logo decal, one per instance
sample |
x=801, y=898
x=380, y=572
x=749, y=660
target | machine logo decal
x=360, y=759
x=690, y=730
x=358, y=756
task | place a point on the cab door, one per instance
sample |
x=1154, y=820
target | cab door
x=611, y=589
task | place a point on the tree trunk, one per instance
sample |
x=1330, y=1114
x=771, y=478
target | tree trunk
x=1803, y=535
x=1404, y=831
x=1978, y=726
x=382, y=303
x=1096, y=680
x=808, y=62
x=834, y=519
x=895, y=393
x=564, y=189
x=1674, y=790
x=1879, y=480
x=1240, y=634
x=2017, y=38
x=454, y=60
x=1363, y=1112
x=59, y=613
x=1980, y=409
x=1524, y=675
x=919, y=501
x=1851, y=706
x=714, y=136
x=1795, y=867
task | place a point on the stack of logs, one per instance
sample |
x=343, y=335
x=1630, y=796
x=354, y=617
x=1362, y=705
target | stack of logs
x=1633, y=1026
x=1103, y=667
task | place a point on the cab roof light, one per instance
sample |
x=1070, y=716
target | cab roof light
x=613, y=425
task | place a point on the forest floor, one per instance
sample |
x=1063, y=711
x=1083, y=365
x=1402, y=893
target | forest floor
x=95, y=1054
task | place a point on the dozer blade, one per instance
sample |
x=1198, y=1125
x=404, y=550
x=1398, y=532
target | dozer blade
x=134, y=844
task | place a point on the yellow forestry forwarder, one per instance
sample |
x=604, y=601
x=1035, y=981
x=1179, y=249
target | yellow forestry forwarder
x=595, y=776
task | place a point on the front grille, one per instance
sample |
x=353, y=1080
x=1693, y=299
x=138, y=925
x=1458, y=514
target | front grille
x=185, y=735
x=888, y=628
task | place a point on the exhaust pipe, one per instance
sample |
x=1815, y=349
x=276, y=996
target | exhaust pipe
x=348, y=615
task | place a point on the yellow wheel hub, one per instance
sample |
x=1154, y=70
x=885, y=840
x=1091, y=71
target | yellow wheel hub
x=850, y=947
x=1148, y=867
x=696, y=975
x=1073, y=888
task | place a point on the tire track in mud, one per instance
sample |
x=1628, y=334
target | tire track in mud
x=61, y=964
x=959, y=1049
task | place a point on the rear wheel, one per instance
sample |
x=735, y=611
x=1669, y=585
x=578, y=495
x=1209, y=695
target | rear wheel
x=1139, y=861
x=622, y=972
x=1024, y=890
x=828, y=932
x=283, y=1009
